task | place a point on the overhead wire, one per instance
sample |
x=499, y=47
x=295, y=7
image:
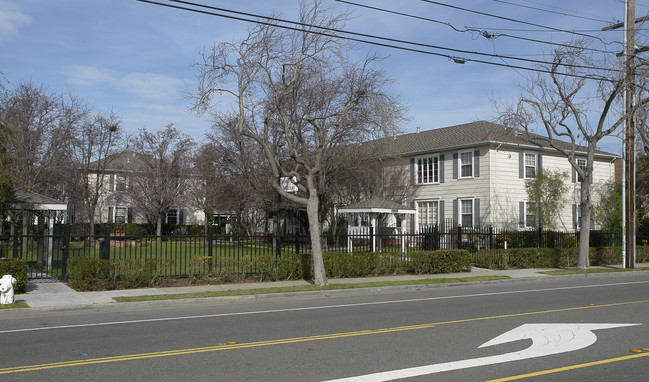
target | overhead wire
x=550, y=11
x=482, y=32
x=330, y=33
x=513, y=20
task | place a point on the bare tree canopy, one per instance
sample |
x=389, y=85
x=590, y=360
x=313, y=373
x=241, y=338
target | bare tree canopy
x=573, y=103
x=158, y=177
x=298, y=96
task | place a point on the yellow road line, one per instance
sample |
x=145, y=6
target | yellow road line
x=130, y=357
x=567, y=368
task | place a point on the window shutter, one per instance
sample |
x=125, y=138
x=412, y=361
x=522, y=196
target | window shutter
x=455, y=212
x=110, y=214
x=574, y=175
x=181, y=217
x=413, y=179
x=441, y=168
x=575, y=214
x=129, y=215
x=521, y=165
x=521, y=214
x=441, y=215
x=476, y=213
x=111, y=183
x=539, y=164
x=476, y=163
x=455, y=169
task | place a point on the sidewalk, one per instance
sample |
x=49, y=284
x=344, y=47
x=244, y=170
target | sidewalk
x=52, y=293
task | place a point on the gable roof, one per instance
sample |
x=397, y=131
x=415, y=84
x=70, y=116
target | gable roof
x=120, y=161
x=27, y=200
x=464, y=136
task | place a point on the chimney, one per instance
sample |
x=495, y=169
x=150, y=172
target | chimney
x=418, y=129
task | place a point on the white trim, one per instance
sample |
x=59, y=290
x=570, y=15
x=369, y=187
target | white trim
x=536, y=164
x=459, y=164
x=459, y=210
x=435, y=159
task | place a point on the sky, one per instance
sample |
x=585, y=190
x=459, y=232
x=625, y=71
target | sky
x=135, y=59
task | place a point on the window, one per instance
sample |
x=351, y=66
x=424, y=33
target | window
x=172, y=217
x=120, y=215
x=582, y=165
x=427, y=213
x=466, y=164
x=466, y=212
x=531, y=217
x=530, y=165
x=120, y=183
x=428, y=170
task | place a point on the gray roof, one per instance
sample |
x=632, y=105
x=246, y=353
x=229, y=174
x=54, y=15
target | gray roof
x=26, y=200
x=376, y=204
x=120, y=161
x=465, y=135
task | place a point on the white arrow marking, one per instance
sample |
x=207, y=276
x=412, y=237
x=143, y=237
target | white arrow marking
x=546, y=339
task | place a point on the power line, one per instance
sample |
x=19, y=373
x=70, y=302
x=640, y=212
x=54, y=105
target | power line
x=512, y=20
x=482, y=32
x=459, y=60
x=550, y=11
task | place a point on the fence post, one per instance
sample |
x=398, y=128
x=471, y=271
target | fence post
x=540, y=237
x=66, y=252
x=16, y=238
x=459, y=237
x=491, y=237
x=209, y=241
x=104, y=243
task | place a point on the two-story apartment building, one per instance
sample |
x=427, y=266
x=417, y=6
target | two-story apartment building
x=475, y=174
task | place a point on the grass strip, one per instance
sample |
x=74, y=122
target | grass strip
x=303, y=288
x=579, y=271
x=19, y=304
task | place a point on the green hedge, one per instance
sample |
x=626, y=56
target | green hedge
x=18, y=269
x=520, y=258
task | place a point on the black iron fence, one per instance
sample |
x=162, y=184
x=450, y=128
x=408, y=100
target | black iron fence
x=183, y=255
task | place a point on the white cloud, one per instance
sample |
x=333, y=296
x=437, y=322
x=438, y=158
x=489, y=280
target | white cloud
x=11, y=18
x=152, y=86
x=88, y=75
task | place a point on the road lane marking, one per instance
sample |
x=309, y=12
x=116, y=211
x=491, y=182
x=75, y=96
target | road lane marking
x=547, y=339
x=568, y=368
x=84, y=362
x=337, y=306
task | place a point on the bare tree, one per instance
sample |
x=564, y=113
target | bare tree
x=298, y=96
x=574, y=105
x=97, y=141
x=158, y=178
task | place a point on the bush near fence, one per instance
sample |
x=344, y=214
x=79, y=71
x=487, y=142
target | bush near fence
x=18, y=269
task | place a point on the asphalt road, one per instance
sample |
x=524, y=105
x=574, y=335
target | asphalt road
x=542, y=326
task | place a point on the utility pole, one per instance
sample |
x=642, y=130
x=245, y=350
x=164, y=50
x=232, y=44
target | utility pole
x=628, y=186
x=629, y=133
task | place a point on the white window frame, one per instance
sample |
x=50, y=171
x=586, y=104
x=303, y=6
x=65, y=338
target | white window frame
x=115, y=215
x=535, y=168
x=460, y=165
x=585, y=164
x=460, y=213
x=526, y=214
x=430, y=222
x=177, y=210
x=432, y=165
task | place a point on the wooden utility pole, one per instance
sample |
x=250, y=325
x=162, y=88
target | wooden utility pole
x=628, y=167
x=629, y=134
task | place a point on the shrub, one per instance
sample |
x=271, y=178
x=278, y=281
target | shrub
x=18, y=269
x=85, y=273
x=440, y=261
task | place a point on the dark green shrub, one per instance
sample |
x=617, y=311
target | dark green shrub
x=86, y=274
x=440, y=261
x=18, y=269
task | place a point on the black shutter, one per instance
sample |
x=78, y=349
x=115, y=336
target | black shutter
x=521, y=165
x=521, y=214
x=441, y=168
x=476, y=163
x=455, y=169
x=476, y=213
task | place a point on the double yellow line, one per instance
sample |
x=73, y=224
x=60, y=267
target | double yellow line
x=235, y=346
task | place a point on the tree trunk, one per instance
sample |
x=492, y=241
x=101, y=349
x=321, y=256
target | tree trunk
x=320, y=275
x=583, y=260
x=158, y=230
